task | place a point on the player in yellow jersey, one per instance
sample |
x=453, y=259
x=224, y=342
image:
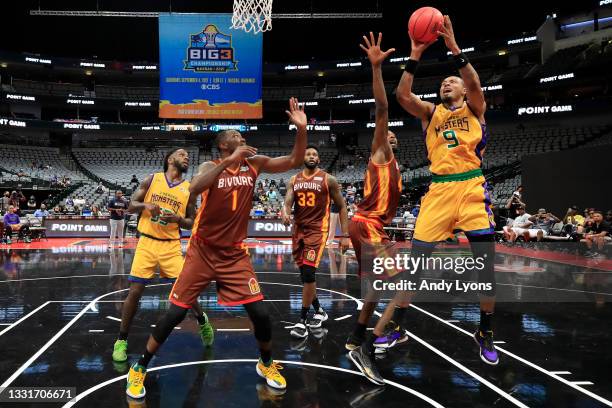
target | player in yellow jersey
x=455, y=134
x=165, y=205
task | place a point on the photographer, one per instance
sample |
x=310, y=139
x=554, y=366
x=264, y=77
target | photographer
x=514, y=202
x=4, y=202
x=542, y=224
x=16, y=199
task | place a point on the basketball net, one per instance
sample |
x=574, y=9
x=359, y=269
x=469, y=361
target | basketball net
x=252, y=15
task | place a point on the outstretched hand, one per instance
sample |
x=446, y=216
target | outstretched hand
x=241, y=153
x=296, y=113
x=447, y=33
x=372, y=48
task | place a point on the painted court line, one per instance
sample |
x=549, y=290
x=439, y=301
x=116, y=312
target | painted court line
x=522, y=360
x=57, y=335
x=233, y=330
x=252, y=361
x=13, y=325
x=561, y=372
x=113, y=318
x=430, y=347
x=96, y=331
x=342, y=318
x=582, y=383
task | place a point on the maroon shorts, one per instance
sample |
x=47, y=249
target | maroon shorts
x=369, y=236
x=229, y=267
x=308, y=246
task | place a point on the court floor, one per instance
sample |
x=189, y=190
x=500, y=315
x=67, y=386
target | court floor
x=60, y=303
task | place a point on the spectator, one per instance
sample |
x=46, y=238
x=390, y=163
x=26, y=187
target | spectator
x=47, y=201
x=514, y=202
x=79, y=202
x=41, y=212
x=134, y=180
x=596, y=234
x=350, y=193
x=272, y=195
x=542, y=224
x=86, y=209
x=519, y=225
x=56, y=210
x=573, y=221
x=95, y=211
x=117, y=207
x=69, y=202
x=100, y=189
x=273, y=183
x=12, y=222
x=4, y=202
x=16, y=199
x=32, y=203
x=609, y=217
x=416, y=210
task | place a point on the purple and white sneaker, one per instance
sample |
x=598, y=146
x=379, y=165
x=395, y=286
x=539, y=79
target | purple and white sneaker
x=394, y=335
x=488, y=354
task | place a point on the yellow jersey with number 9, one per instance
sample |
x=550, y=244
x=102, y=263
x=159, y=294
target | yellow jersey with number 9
x=455, y=140
x=171, y=199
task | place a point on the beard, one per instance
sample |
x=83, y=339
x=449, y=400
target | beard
x=311, y=166
x=181, y=167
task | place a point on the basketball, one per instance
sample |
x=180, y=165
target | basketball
x=424, y=24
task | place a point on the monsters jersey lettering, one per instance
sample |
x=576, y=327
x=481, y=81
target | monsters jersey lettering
x=171, y=199
x=455, y=140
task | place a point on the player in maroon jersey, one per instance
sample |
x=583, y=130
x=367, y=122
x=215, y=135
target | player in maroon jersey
x=216, y=250
x=309, y=193
x=381, y=193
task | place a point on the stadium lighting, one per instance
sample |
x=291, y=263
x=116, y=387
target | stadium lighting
x=502, y=52
x=584, y=23
x=4, y=65
x=88, y=72
x=320, y=73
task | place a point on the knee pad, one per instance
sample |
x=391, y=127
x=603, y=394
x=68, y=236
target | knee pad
x=307, y=273
x=258, y=313
x=484, y=247
x=166, y=324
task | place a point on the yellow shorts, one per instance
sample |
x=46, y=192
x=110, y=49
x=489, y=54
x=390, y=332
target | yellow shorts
x=450, y=206
x=150, y=254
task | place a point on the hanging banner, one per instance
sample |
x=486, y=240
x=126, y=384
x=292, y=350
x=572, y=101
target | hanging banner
x=207, y=70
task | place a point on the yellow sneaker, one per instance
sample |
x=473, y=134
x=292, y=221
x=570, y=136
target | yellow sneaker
x=135, y=381
x=271, y=374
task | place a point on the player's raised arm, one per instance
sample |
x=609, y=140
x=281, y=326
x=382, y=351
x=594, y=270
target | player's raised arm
x=376, y=56
x=408, y=100
x=288, y=205
x=295, y=159
x=475, y=96
x=209, y=171
x=336, y=196
x=137, y=203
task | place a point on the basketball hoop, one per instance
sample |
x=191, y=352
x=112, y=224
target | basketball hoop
x=252, y=15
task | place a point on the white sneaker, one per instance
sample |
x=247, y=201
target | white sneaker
x=317, y=320
x=299, y=331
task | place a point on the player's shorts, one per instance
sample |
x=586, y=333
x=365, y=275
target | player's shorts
x=151, y=253
x=308, y=245
x=456, y=202
x=367, y=234
x=230, y=267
